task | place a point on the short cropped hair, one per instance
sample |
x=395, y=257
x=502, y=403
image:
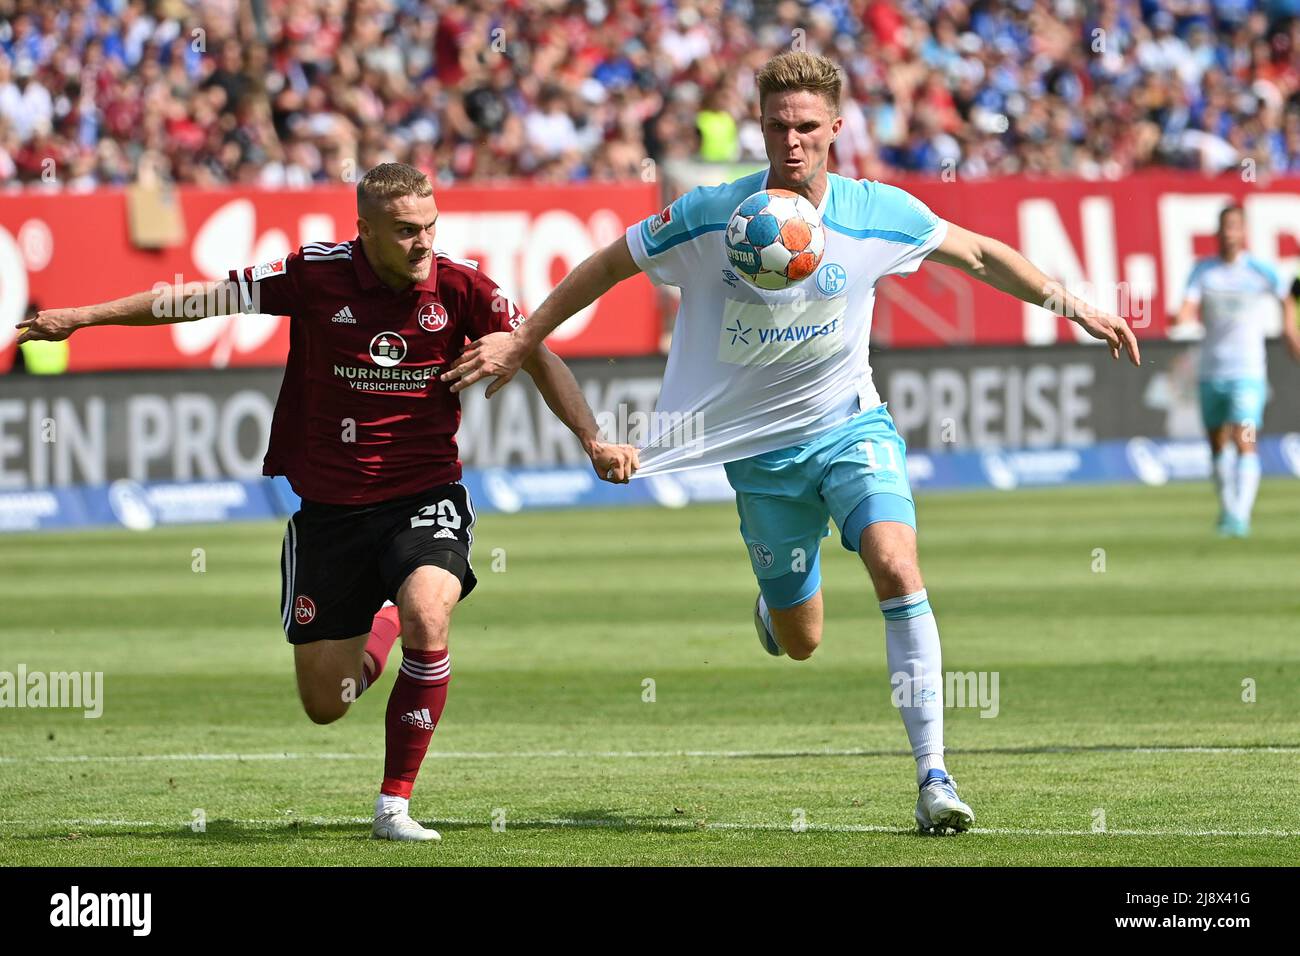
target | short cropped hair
x=389, y=181
x=801, y=71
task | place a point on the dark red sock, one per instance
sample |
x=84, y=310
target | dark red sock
x=383, y=632
x=414, y=707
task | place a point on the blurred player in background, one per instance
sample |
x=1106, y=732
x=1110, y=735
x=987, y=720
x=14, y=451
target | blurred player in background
x=802, y=431
x=1231, y=292
x=366, y=434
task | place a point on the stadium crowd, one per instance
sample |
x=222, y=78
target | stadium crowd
x=293, y=92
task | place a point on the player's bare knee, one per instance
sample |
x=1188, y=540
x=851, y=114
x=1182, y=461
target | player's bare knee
x=322, y=717
x=894, y=575
x=324, y=711
x=325, y=693
x=426, y=631
x=426, y=601
x=801, y=646
x=798, y=629
x=799, y=637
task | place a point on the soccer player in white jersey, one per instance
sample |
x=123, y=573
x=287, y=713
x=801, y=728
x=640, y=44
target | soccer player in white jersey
x=795, y=418
x=1232, y=292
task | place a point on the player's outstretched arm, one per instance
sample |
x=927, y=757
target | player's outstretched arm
x=616, y=463
x=1002, y=267
x=501, y=354
x=162, y=305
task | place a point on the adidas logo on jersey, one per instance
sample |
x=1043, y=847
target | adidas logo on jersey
x=344, y=315
x=419, y=718
x=444, y=533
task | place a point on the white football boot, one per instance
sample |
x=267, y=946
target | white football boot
x=398, y=825
x=765, y=635
x=939, y=808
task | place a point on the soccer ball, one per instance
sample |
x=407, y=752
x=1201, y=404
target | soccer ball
x=775, y=239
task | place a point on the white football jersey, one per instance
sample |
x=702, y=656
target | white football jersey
x=751, y=371
x=1238, y=301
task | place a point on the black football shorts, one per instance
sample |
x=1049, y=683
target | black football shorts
x=339, y=563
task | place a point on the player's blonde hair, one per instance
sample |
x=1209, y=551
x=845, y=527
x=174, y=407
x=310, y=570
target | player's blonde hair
x=389, y=181
x=801, y=71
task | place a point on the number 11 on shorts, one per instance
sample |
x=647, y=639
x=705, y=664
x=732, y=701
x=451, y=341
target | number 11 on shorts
x=869, y=450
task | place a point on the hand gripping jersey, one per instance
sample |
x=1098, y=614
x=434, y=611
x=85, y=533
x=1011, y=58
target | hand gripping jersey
x=751, y=371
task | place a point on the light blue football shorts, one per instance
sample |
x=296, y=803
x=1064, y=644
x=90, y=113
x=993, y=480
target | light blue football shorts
x=855, y=474
x=1233, y=401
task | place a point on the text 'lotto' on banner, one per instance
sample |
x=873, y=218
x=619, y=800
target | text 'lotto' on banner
x=66, y=250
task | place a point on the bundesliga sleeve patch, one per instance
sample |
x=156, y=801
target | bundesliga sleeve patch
x=273, y=268
x=659, y=221
x=503, y=304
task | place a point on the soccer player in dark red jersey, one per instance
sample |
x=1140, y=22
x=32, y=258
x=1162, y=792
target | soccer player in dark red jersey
x=366, y=434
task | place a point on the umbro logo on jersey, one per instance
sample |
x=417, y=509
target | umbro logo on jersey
x=419, y=718
x=344, y=316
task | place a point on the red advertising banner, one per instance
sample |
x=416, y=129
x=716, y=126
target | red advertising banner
x=64, y=250
x=1126, y=246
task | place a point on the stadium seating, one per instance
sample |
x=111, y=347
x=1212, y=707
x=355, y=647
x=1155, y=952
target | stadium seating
x=282, y=93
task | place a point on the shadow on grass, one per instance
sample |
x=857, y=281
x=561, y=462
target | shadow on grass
x=1015, y=751
x=235, y=832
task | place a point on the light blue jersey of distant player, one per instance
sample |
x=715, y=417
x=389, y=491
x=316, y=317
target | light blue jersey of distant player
x=1236, y=301
x=752, y=371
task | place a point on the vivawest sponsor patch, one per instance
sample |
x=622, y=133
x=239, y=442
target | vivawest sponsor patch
x=273, y=268
x=756, y=333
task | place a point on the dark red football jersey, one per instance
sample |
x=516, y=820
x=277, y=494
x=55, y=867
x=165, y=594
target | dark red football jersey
x=362, y=416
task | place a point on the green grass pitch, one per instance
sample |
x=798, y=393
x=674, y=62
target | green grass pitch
x=1120, y=697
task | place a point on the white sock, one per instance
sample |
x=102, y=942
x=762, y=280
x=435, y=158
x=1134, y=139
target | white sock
x=1247, y=484
x=927, y=762
x=765, y=614
x=1224, y=480
x=387, y=804
x=916, y=674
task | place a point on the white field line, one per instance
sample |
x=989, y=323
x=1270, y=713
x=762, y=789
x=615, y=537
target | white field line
x=650, y=824
x=626, y=754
